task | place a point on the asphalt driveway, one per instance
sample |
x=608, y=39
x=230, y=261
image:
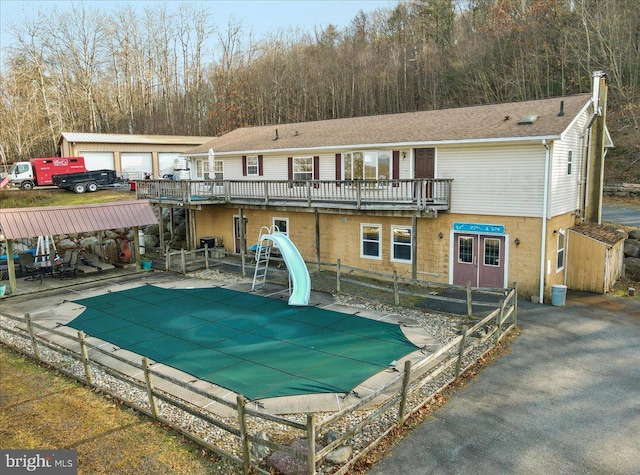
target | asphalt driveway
x=566, y=399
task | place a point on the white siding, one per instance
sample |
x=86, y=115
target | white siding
x=494, y=180
x=565, y=189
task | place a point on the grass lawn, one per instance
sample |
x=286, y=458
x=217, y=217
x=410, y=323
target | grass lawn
x=42, y=410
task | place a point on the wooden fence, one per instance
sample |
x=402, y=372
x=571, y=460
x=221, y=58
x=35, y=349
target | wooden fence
x=231, y=428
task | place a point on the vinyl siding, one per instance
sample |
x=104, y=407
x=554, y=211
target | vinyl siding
x=494, y=180
x=565, y=189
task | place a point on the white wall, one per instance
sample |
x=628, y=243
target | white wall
x=502, y=180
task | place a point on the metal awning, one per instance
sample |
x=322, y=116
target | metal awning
x=16, y=223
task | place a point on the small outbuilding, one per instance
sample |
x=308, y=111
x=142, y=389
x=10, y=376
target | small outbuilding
x=595, y=257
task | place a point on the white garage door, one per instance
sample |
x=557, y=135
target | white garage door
x=135, y=165
x=167, y=160
x=98, y=160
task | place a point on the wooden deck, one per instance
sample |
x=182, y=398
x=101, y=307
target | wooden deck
x=420, y=195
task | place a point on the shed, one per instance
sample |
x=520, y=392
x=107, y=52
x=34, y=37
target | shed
x=595, y=257
x=18, y=223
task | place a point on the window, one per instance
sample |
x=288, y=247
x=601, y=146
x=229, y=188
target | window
x=569, y=161
x=282, y=224
x=492, y=252
x=367, y=165
x=252, y=166
x=218, y=170
x=370, y=241
x=401, y=239
x=561, y=246
x=465, y=249
x=303, y=168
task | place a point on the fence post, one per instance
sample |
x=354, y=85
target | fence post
x=167, y=259
x=311, y=444
x=396, y=295
x=469, y=303
x=405, y=388
x=36, y=352
x=147, y=378
x=206, y=256
x=463, y=342
x=244, y=440
x=500, y=317
x=183, y=263
x=338, y=277
x=85, y=358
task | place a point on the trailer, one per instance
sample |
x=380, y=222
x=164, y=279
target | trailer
x=88, y=181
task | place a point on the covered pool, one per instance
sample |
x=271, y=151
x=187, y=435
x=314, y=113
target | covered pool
x=256, y=346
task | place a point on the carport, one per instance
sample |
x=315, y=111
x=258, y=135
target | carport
x=19, y=223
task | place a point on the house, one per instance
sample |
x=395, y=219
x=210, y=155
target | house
x=130, y=155
x=483, y=194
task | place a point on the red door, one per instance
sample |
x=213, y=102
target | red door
x=425, y=167
x=479, y=259
x=465, y=259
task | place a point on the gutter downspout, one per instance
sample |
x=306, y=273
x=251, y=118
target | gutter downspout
x=545, y=197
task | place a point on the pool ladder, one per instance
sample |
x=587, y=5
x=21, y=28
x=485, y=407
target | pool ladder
x=263, y=254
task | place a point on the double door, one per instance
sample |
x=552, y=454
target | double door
x=479, y=259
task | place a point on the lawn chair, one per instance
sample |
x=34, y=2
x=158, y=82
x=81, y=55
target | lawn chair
x=94, y=261
x=67, y=270
x=66, y=262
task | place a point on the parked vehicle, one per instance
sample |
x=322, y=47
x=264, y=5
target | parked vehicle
x=88, y=181
x=40, y=171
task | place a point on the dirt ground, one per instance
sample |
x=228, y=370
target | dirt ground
x=109, y=437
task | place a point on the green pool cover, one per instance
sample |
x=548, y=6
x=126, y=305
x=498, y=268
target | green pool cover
x=256, y=346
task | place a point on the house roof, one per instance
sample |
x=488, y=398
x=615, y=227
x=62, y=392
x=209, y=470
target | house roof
x=600, y=233
x=493, y=122
x=18, y=223
x=76, y=137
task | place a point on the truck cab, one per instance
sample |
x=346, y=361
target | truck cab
x=21, y=175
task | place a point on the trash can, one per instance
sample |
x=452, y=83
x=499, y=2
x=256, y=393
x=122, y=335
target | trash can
x=558, y=295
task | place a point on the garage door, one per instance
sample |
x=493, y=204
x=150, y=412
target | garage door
x=98, y=160
x=167, y=160
x=135, y=165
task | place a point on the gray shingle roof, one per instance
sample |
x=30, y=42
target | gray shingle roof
x=489, y=122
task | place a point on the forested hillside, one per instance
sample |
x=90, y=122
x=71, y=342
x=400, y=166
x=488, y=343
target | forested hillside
x=156, y=72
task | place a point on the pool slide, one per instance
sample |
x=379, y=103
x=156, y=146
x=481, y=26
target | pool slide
x=296, y=266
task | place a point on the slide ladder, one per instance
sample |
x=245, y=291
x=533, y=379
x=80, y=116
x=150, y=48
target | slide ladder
x=263, y=254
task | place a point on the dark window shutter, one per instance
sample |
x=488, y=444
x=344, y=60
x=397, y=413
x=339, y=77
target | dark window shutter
x=338, y=168
x=316, y=169
x=260, y=169
x=395, y=166
x=244, y=165
x=290, y=170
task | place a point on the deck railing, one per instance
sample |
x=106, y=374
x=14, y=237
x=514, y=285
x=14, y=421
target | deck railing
x=358, y=194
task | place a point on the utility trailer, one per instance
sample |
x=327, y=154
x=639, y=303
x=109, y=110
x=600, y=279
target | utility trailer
x=88, y=181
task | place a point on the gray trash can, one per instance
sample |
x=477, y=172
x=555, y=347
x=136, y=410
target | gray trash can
x=558, y=295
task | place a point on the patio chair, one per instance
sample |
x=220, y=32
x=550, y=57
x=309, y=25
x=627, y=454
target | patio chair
x=25, y=261
x=94, y=261
x=67, y=270
x=66, y=261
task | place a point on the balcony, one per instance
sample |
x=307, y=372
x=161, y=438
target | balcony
x=429, y=195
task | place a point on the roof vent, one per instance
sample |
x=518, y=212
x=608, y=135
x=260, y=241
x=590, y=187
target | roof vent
x=528, y=119
x=561, y=113
x=276, y=137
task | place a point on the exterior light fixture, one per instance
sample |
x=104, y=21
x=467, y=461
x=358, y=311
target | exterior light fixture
x=440, y=235
x=517, y=241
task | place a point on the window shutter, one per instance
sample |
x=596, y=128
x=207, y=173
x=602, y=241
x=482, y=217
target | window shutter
x=290, y=171
x=316, y=170
x=260, y=170
x=338, y=168
x=244, y=165
x=396, y=166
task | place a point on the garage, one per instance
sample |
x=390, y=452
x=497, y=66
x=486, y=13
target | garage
x=136, y=164
x=98, y=160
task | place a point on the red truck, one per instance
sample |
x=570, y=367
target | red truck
x=40, y=171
